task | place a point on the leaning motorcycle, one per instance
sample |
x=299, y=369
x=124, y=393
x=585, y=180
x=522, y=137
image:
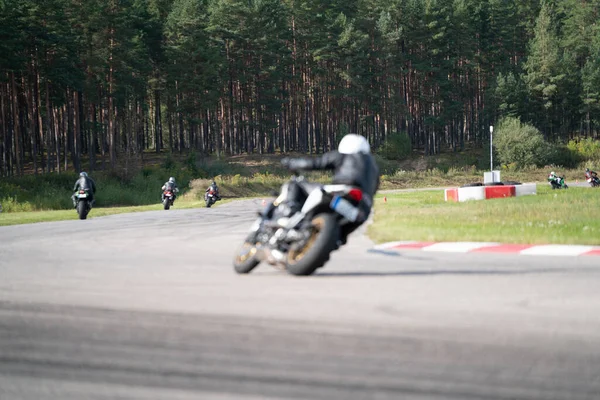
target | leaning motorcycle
x=168, y=199
x=594, y=181
x=210, y=197
x=558, y=183
x=83, y=205
x=303, y=242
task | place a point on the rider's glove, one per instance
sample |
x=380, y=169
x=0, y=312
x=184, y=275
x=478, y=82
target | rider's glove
x=296, y=163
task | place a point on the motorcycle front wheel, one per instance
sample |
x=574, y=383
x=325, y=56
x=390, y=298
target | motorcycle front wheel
x=304, y=258
x=246, y=258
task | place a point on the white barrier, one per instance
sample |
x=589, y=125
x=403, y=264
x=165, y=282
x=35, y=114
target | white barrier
x=488, y=192
x=471, y=193
x=526, y=189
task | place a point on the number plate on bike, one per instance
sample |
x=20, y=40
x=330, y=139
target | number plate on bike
x=344, y=208
x=82, y=195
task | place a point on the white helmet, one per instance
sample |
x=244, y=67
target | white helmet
x=353, y=143
x=552, y=173
x=172, y=180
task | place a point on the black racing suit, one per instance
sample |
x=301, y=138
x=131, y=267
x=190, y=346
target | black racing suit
x=169, y=185
x=84, y=183
x=358, y=170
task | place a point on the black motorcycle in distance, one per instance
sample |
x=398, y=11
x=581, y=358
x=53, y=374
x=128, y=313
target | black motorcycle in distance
x=83, y=204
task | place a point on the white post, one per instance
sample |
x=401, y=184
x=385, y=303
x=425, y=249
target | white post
x=491, y=149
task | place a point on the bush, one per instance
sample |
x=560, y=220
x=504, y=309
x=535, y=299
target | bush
x=397, y=146
x=586, y=149
x=191, y=163
x=521, y=144
x=565, y=157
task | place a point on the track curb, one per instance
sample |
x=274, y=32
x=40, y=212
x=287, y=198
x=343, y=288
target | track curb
x=488, y=248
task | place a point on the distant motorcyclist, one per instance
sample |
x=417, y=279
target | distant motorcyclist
x=215, y=189
x=589, y=174
x=592, y=177
x=353, y=164
x=84, y=183
x=169, y=185
x=554, y=180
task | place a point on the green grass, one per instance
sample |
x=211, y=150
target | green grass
x=550, y=217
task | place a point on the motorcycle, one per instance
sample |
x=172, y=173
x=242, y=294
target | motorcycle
x=168, y=199
x=210, y=197
x=303, y=242
x=558, y=183
x=594, y=181
x=83, y=204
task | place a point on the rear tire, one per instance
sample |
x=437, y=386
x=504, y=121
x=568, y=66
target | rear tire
x=166, y=204
x=314, y=254
x=246, y=258
x=82, y=209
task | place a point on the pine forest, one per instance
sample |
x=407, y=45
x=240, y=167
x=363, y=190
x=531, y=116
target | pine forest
x=86, y=83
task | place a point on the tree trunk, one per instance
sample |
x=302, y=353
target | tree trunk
x=112, y=138
x=49, y=133
x=31, y=119
x=76, y=133
x=157, y=122
x=40, y=125
x=55, y=115
x=92, y=139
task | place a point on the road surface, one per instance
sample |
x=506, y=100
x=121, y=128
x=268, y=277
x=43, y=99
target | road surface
x=147, y=306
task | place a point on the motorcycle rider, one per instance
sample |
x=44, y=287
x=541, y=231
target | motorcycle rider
x=215, y=188
x=170, y=184
x=590, y=174
x=84, y=183
x=554, y=179
x=353, y=164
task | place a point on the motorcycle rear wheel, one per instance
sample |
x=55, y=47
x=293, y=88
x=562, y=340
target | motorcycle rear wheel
x=246, y=258
x=166, y=203
x=305, y=260
x=82, y=209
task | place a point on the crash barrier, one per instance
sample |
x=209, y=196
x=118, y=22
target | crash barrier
x=481, y=192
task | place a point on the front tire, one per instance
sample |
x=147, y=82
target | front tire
x=82, y=209
x=313, y=254
x=246, y=258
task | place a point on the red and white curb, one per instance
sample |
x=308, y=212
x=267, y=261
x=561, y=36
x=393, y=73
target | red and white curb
x=489, y=192
x=490, y=247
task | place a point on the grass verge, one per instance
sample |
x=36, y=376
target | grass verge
x=550, y=217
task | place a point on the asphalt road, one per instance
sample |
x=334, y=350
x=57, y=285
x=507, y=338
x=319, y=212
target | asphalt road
x=147, y=306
